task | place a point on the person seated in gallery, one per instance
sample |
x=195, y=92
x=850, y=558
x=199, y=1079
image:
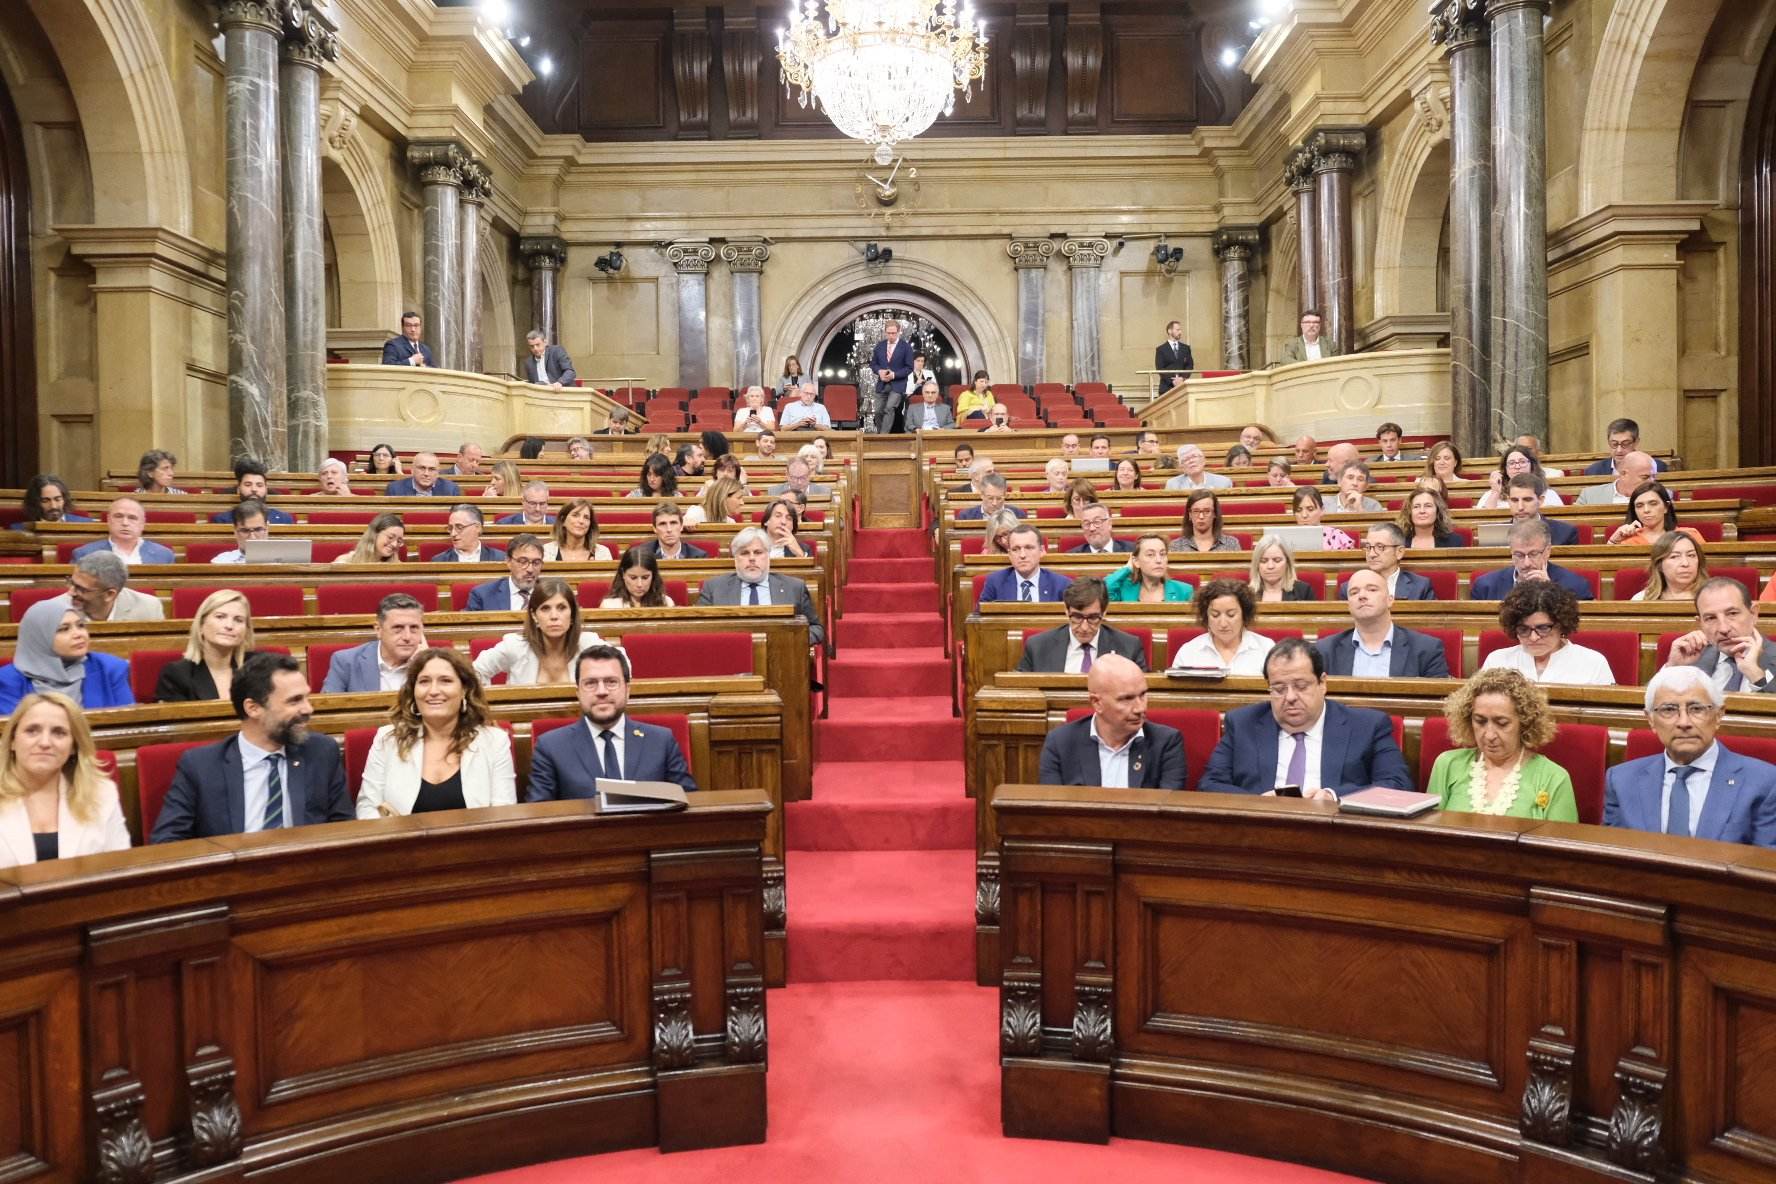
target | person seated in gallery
x=1147, y=578
x=753, y=415
x=384, y=540
x=638, y=583
x=1306, y=504
x=1387, y=438
x=1676, y=569
x=124, y=521
x=620, y=423
x=1633, y=470
x=1056, y=475
x=752, y=582
x=407, y=349
x=1306, y=451
x=1194, y=472
x=1126, y=477
x=250, y=485
x=1623, y=436
x=1697, y=787
x=669, y=541
x=334, y=476
x=1533, y=445
x=803, y=415
x=1073, y=648
x=976, y=403
x=998, y=419
x=55, y=802
x=1515, y=462
x=542, y=652
x=1383, y=547
x=1025, y=580
x=271, y=774
x=1444, y=462
x=1425, y=522
x=579, y=448
x=1279, y=473
x=1226, y=609
x=1202, y=526
x=764, y=448
x=1530, y=551
x=47, y=500
x=465, y=524
x=157, y=471
x=1727, y=628
x=440, y=749
x=1543, y=616
x=1309, y=345
x=1116, y=745
x=1651, y=514
x=1081, y=493
x=780, y=522
x=993, y=491
x=470, y=460
x=383, y=460
x=1302, y=738
x=929, y=412
x=98, y=587
x=220, y=639
x=1172, y=357
x=575, y=537
x=545, y=364
x=1271, y=575
x=1497, y=721
x=1238, y=457
x=511, y=592
x=534, y=513
x=722, y=500
x=380, y=664
x=791, y=379
x=54, y=653
x=1353, y=491
x=425, y=481
x=1374, y=646
x=1094, y=523
x=567, y=762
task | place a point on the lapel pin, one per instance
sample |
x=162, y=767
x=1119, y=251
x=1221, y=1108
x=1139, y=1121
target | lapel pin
x=638, y=731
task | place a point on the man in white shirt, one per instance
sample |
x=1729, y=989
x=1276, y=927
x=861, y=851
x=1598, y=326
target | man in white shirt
x=124, y=523
x=1077, y=646
x=535, y=513
x=1388, y=437
x=465, y=524
x=97, y=588
x=381, y=664
x=805, y=413
x=1632, y=471
x=1728, y=620
x=249, y=523
x=1310, y=346
x=1115, y=746
x=930, y=413
x=1195, y=473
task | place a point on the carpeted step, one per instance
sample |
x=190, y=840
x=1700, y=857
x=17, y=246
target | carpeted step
x=889, y=729
x=884, y=806
x=868, y=915
x=892, y=544
x=890, y=598
x=861, y=673
x=891, y=571
x=868, y=630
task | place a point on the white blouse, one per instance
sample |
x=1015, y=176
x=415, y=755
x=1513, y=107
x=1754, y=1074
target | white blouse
x=552, y=552
x=1571, y=664
x=514, y=658
x=619, y=602
x=1494, y=500
x=1247, y=659
x=389, y=780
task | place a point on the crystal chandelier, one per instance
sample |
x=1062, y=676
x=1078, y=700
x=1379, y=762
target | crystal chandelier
x=883, y=69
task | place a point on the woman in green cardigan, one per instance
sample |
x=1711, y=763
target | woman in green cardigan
x=1499, y=718
x=1145, y=579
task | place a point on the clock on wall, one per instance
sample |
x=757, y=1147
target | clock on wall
x=887, y=190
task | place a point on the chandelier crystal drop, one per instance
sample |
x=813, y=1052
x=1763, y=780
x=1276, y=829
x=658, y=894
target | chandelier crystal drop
x=883, y=70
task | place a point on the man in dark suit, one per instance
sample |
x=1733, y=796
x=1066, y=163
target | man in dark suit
x=535, y=513
x=1696, y=787
x=567, y=762
x=425, y=481
x=891, y=361
x=1172, y=358
x=1729, y=628
x=466, y=546
x=547, y=365
x=1529, y=561
x=930, y=413
x=1624, y=437
x=1094, y=522
x=272, y=774
x=1075, y=648
x=1383, y=547
x=407, y=349
x=380, y=664
x=1024, y=579
x=1115, y=745
x=1524, y=494
x=1375, y=647
x=511, y=592
x=752, y=582
x=250, y=485
x=992, y=489
x=669, y=541
x=1330, y=749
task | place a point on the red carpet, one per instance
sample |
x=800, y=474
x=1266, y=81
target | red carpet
x=884, y=806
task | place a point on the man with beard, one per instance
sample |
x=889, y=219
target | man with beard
x=567, y=762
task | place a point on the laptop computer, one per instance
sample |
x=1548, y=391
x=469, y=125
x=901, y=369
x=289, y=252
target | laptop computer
x=1091, y=464
x=1493, y=534
x=1299, y=538
x=278, y=550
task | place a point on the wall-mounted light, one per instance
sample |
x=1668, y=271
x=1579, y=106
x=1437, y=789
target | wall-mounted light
x=873, y=253
x=1168, y=258
x=611, y=262
x=545, y=65
x=1230, y=57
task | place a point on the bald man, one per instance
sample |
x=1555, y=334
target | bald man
x=1633, y=470
x=1115, y=745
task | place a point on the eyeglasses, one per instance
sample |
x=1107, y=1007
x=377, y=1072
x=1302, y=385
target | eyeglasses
x=1669, y=712
x=519, y=561
x=1086, y=618
x=1381, y=547
x=1529, y=556
x=1537, y=632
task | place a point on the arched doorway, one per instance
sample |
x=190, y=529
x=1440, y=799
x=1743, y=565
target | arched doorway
x=841, y=337
x=18, y=355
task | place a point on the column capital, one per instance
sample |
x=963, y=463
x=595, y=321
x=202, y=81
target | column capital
x=1458, y=24
x=1030, y=252
x=1298, y=168
x=543, y=252
x=267, y=15
x=311, y=38
x=746, y=254
x=1237, y=242
x=440, y=162
x=1337, y=149
x=690, y=256
x=1085, y=252
x=477, y=181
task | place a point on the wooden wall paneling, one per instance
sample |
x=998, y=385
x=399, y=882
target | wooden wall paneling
x=624, y=81
x=1150, y=68
x=692, y=57
x=1031, y=55
x=741, y=50
x=40, y=1072
x=1757, y=279
x=1084, y=55
x=1726, y=1121
x=18, y=343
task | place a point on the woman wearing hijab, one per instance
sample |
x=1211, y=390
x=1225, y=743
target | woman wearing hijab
x=52, y=657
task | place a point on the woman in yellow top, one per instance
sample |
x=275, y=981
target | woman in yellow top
x=1499, y=718
x=977, y=401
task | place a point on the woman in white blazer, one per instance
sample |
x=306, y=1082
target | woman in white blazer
x=54, y=802
x=440, y=749
x=544, y=652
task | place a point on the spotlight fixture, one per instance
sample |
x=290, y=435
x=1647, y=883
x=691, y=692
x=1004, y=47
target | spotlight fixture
x=872, y=253
x=1168, y=257
x=1230, y=57
x=611, y=262
x=545, y=65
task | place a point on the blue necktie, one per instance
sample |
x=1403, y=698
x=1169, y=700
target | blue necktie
x=1737, y=681
x=752, y=594
x=274, y=793
x=613, y=768
x=1025, y=594
x=1677, y=815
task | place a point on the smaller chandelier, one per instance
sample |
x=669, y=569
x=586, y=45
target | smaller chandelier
x=883, y=69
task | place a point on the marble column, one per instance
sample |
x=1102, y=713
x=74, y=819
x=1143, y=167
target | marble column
x=1298, y=171
x=545, y=256
x=1460, y=27
x=440, y=166
x=1085, y=258
x=691, y=260
x=257, y=416
x=1030, y=257
x=477, y=188
x=1520, y=218
x=1336, y=154
x=1234, y=247
x=310, y=41
x=746, y=264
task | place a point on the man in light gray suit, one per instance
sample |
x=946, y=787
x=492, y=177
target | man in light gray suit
x=931, y=412
x=752, y=582
x=381, y=664
x=1632, y=471
x=547, y=365
x=1074, y=648
x=1729, y=626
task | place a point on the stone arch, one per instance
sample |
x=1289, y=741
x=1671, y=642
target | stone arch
x=1410, y=206
x=499, y=342
x=1282, y=307
x=362, y=224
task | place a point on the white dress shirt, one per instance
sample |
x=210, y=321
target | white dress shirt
x=1310, y=350
x=1571, y=664
x=391, y=676
x=764, y=591
x=514, y=658
x=1310, y=775
x=1699, y=782
x=1247, y=659
x=129, y=557
x=1075, y=661
x=1113, y=763
x=255, y=782
x=234, y=556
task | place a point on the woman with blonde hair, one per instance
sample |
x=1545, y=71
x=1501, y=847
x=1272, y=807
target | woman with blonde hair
x=503, y=480
x=661, y=443
x=723, y=500
x=440, y=749
x=220, y=639
x=543, y=652
x=1272, y=575
x=575, y=535
x=54, y=801
x=1676, y=569
x=1497, y=720
x=383, y=541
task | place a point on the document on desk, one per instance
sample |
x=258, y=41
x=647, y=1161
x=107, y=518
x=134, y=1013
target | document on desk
x=1388, y=803
x=638, y=797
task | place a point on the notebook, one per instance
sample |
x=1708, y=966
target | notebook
x=638, y=797
x=278, y=550
x=1387, y=803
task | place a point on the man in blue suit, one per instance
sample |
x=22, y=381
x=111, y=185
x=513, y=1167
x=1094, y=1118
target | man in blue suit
x=465, y=523
x=380, y=664
x=272, y=774
x=1696, y=787
x=407, y=349
x=567, y=762
x=1115, y=745
x=124, y=522
x=425, y=481
x=1624, y=437
x=1524, y=493
x=1024, y=579
x=1383, y=548
x=891, y=361
x=1302, y=738
x=1529, y=561
x=1375, y=647
x=511, y=592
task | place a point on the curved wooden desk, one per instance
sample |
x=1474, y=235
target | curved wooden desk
x=414, y=999
x=1450, y=999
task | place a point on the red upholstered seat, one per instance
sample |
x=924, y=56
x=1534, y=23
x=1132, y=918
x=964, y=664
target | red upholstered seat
x=357, y=755
x=1645, y=742
x=425, y=517
x=841, y=402
x=430, y=549
x=320, y=660
x=1144, y=635
x=1663, y=650
x=1051, y=511
x=181, y=517
x=1762, y=495
x=341, y=517
x=678, y=725
x=688, y=655
x=145, y=667
x=1443, y=583
x=1621, y=648
x=1201, y=730
x=1153, y=509
x=1452, y=648
x=1630, y=580
x=266, y=600
x=23, y=598
x=155, y=766
x=1581, y=749
x=479, y=646
x=344, y=599
x=65, y=551
x=207, y=552
x=329, y=550
x=1313, y=579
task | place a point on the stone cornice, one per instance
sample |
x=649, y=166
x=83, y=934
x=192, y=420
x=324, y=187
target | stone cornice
x=1646, y=222
x=104, y=247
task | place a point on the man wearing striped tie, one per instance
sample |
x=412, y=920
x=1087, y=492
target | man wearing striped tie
x=1728, y=620
x=271, y=775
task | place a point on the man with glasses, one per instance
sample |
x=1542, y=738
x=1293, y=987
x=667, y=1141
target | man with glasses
x=97, y=588
x=465, y=538
x=1077, y=646
x=1383, y=547
x=1024, y=580
x=1094, y=521
x=536, y=508
x=1624, y=437
x=1116, y=745
x=568, y=762
x=1696, y=787
x=1530, y=550
x=249, y=523
x=1729, y=628
x=511, y=593
x=1303, y=740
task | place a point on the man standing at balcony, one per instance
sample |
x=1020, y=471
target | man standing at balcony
x=407, y=349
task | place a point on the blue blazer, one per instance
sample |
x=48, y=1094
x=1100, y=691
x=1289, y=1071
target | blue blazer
x=518, y=519
x=1156, y=757
x=1740, y=807
x=900, y=361
x=209, y=795
x=492, y=597
x=444, y=487
x=1562, y=534
x=565, y=764
x=1415, y=655
x=1357, y=750
x=488, y=555
x=973, y=513
x=354, y=671
x=1410, y=586
x=1495, y=585
x=151, y=552
x=1003, y=585
x=273, y=517
x=107, y=684
x=1606, y=467
x=397, y=350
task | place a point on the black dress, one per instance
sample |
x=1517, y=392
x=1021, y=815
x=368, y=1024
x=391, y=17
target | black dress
x=441, y=795
x=48, y=845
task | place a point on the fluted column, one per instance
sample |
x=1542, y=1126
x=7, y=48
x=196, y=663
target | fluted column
x=1298, y=171
x=1030, y=257
x=1234, y=246
x=746, y=264
x=1460, y=27
x=440, y=166
x=309, y=42
x=257, y=416
x=1520, y=224
x=691, y=260
x=477, y=188
x=1085, y=259
x=1336, y=153
x=544, y=256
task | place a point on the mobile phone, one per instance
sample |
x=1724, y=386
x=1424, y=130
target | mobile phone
x=1288, y=791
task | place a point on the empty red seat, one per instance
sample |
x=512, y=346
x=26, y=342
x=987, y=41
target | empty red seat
x=328, y=551
x=265, y=600
x=181, y=517
x=23, y=598
x=349, y=599
x=320, y=660
x=1452, y=649
x=678, y=725
x=1760, y=494
x=1581, y=749
x=155, y=766
x=341, y=517
x=145, y=667
x=1201, y=731
x=688, y=655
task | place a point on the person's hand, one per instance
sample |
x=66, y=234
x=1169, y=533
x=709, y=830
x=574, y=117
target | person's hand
x=1686, y=649
x=1321, y=794
x=1744, y=652
x=1536, y=573
x=1497, y=481
x=555, y=386
x=416, y=360
x=1624, y=531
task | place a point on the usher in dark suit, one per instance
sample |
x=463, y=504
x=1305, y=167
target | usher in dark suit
x=1172, y=358
x=397, y=350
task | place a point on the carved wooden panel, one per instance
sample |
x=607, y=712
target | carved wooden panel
x=1031, y=54
x=624, y=81
x=40, y=1102
x=18, y=347
x=1728, y=1065
x=692, y=55
x=1151, y=65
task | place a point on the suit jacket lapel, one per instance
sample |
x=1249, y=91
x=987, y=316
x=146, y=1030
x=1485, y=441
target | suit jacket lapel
x=15, y=833
x=632, y=743
x=1723, y=795
x=1268, y=749
x=1140, y=770
x=1334, y=738
x=1397, y=655
x=296, y=781
x=235, y=785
